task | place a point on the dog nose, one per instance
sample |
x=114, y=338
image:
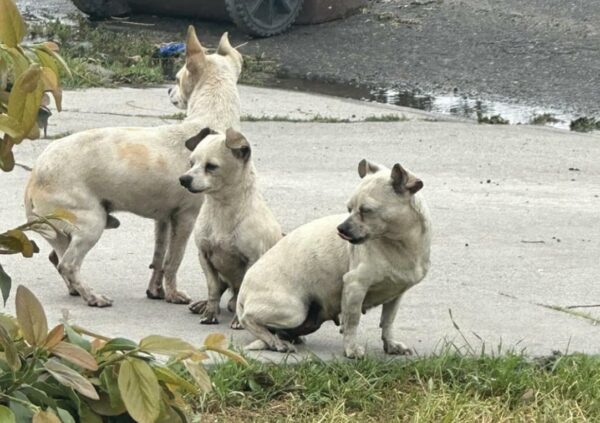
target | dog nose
x=185, y=180
x=343, y=229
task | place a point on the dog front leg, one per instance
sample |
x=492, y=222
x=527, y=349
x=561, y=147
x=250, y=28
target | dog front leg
x=155, y=289
x=182, y=224
x=353, y=296
x=388, y=315
x=209, y=308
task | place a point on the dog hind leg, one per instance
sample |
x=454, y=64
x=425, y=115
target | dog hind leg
x=59, y=245
x=155, y=289
x=90, y=226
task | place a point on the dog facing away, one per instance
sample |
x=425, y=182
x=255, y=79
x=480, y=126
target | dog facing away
x=319, y=272
x=235, y=226
x=99, y=171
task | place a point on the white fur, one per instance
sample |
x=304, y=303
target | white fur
x=314, y=265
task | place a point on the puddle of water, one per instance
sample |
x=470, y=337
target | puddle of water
x=451, y=104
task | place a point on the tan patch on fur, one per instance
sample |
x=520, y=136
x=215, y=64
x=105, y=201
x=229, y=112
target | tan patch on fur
x=161, y=162
x=137, y=155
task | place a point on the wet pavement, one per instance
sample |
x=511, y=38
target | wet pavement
x=518, y=58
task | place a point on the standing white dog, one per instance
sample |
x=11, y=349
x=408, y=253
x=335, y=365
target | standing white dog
x=99, y=171
x=318, y=271
x=235, y=226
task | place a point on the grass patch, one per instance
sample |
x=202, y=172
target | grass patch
x=491, y=120
x=447, y=387
x=543, y=119
x=584, y=124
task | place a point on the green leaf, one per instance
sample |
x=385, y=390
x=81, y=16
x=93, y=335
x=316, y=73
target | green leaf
x=65, y=416
x=59, y=60
x=10, y=126
x=118, y=344
x=45, y=417
x=12, y=27
x=31, y=317
x=75, y=354
x=140, y=390
x=71, y=378
x=165, y=345
x=88, y=416
x=103, y=407
x=22, y=412
x=75, y=338
x=10, y=350
x=6, y=416
x=37, y=396
x=5, y=284
x=216, y=340
x=199, y=374
x=108, y=379
x=168, y=376
x=25, y=98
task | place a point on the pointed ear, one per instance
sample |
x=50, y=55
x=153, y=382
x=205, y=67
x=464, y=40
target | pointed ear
x=238, y=144
x=195, y=59
x=193, y=142
x=224, y=46
x=365, y=167
x=403, y=181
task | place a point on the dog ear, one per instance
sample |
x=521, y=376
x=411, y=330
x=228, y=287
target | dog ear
x=225, y=47
x=193, y=142
x=238, y=144
x=365, y=167
x=195, y=58
x=403, y=181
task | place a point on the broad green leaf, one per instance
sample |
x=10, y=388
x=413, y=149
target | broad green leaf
x=165, y=345
x=12, y=27
x=104, y=407
x=46, y=48
x=25, y=98
x=10, y=126
x=199, y=374
x=5, y=284
x=37, y=396
x=45, y=416
x=22, y=412
x=140, y=390
x=88, y=416
x=9, y=323
x=216, y=340
x=231, y=355
x=7, y=158
x=71, y=378
x=108, y=379
x=75, y=338
x=55, y=336
x=16, y=241
x=6, y=416
x=75, y=354
x=52, y=84
x=20, y=62
x=65, y=416
x=119, y=344
x=31, y=317
x=10, y=350
x=167, y=413
x=168, y=376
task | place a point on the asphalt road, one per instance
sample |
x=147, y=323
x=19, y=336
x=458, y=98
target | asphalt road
x=515, y=212
x=541, y=53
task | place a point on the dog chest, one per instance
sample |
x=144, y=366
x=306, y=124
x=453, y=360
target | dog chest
x=227, y=259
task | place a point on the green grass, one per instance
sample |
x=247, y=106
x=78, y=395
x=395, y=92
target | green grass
x=543, y=119
x=449, y=387
x=492, y=120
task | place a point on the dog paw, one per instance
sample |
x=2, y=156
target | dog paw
x=209, y=320
x=235, y=324
x=158, y=294
x=283, y=347
x=97, y=300
x=256, y=345
x=177, y=297
x=396, y=348
x=199, y=307
x=354, y=351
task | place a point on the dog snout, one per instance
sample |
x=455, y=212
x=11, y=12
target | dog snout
x=344, y=231
x=186, y=181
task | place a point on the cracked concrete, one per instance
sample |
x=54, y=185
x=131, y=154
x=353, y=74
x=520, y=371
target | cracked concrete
x=489, y=188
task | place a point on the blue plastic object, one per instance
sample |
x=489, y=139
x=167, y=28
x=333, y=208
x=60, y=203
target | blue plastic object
x=171, y=49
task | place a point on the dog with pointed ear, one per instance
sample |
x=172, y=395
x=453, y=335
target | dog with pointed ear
x=200, y=67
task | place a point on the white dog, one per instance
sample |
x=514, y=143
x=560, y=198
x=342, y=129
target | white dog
x=319, y=272
x=96, y=172
x=235, y=227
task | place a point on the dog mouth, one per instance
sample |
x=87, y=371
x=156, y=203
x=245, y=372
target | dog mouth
x=195, y=191
x=352, y=240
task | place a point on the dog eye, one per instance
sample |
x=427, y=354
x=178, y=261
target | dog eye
x=364, y=210
x=211, y=167
x=349, y=209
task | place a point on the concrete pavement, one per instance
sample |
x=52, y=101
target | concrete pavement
x=516, y=213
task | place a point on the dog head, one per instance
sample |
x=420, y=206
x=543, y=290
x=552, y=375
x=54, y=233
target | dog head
x=217, y=160
x=200, y=67
x=382, y=205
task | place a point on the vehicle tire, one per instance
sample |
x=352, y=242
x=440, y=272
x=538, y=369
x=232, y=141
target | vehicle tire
x=263, y=18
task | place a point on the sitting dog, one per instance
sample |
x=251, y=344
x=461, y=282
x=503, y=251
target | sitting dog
x=99, y=171
x=318, y=271
x=235, y=227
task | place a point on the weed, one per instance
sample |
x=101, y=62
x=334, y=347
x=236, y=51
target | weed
x=492, y=120
x=544, y=119
x=584, y=124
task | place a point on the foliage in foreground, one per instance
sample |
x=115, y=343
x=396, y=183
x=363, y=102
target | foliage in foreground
x=30, y=70
x=69, y=374
x=449, y=387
